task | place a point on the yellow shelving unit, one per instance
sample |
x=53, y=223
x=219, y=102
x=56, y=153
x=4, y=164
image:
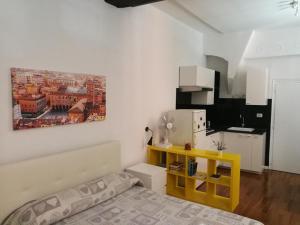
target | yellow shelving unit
x=181, y=185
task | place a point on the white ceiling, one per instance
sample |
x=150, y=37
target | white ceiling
x=238, y=15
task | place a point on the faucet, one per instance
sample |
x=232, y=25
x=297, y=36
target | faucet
x=243, y=120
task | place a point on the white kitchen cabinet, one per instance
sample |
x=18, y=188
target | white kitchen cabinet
x=213, y=139
x=257, y=86
x=203, y=98
x=258, y=152
x=239, y=144
x=196, y=77
x=208, y=144
x=250, y=147
x=200, y=81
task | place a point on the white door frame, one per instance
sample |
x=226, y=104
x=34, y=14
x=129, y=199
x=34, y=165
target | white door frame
x=274, y=82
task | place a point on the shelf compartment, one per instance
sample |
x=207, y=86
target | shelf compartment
x=223, y=180
x=175, y=158
x=199, y=176
x=176, y=172
x=157, y=158
x=176, y=186
x=192, y=190
x=180, y=182
x=223, y=191
x=191, y=184
x=220, y=190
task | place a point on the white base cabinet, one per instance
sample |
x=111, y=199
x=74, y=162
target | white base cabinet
x=208, y=144
x=258, y=153
x=212, y=140
x=251, y=148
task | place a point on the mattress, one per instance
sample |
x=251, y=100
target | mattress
x=141, y=206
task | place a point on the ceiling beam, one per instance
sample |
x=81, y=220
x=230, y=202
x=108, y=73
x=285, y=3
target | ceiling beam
x=130, y=3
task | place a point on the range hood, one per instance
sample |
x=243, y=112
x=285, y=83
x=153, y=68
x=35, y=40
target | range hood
x=230, y=86
x=130, y=3
x=196, y=78
x=221, y=65
x=194, y=88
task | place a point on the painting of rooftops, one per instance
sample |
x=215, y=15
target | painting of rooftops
x=44, y=98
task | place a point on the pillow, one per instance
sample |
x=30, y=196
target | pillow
x=61, y=205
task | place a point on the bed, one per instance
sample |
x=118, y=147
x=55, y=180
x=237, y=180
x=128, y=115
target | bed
x=125, y=201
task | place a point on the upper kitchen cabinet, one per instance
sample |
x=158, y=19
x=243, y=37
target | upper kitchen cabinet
x=199, y=81
x=257, y=86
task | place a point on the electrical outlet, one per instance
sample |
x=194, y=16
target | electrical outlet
x=259, y=115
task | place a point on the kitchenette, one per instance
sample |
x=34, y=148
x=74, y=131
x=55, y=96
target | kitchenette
x=238, y=124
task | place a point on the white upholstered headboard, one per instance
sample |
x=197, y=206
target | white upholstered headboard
x=28, y=180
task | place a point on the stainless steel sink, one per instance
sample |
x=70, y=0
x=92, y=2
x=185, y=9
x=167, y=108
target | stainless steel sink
x=244, y=129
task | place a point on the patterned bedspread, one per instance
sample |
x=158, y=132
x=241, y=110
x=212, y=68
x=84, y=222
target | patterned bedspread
x=140, y=206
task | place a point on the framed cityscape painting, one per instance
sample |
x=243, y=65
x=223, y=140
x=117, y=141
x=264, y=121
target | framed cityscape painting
x=44, y=98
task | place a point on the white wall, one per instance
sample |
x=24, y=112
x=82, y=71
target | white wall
x=212, y=39
x=287, y=67
x=277, y=42
x=233, y=46
x=138, y=49
x=278, y=50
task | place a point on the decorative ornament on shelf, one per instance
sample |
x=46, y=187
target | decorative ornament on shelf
x=166, y=126
x=220, y=147
x=188, y=146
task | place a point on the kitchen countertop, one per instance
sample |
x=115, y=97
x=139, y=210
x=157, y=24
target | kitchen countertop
x=257, y=131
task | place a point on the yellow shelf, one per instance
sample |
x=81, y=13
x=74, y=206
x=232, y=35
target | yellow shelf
x=180, y=185
x=176, y=185
x=199, y=176
x=219, y=202
x=211, y=200
x=179, y=193
x=223, y=180
x=177, y=173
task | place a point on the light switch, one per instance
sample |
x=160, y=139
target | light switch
x=259, y=115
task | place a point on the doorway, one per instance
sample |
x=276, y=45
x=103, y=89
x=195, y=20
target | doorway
x=285, y=153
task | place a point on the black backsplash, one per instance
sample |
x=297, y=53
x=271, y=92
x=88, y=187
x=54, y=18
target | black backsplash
x=226, y=113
